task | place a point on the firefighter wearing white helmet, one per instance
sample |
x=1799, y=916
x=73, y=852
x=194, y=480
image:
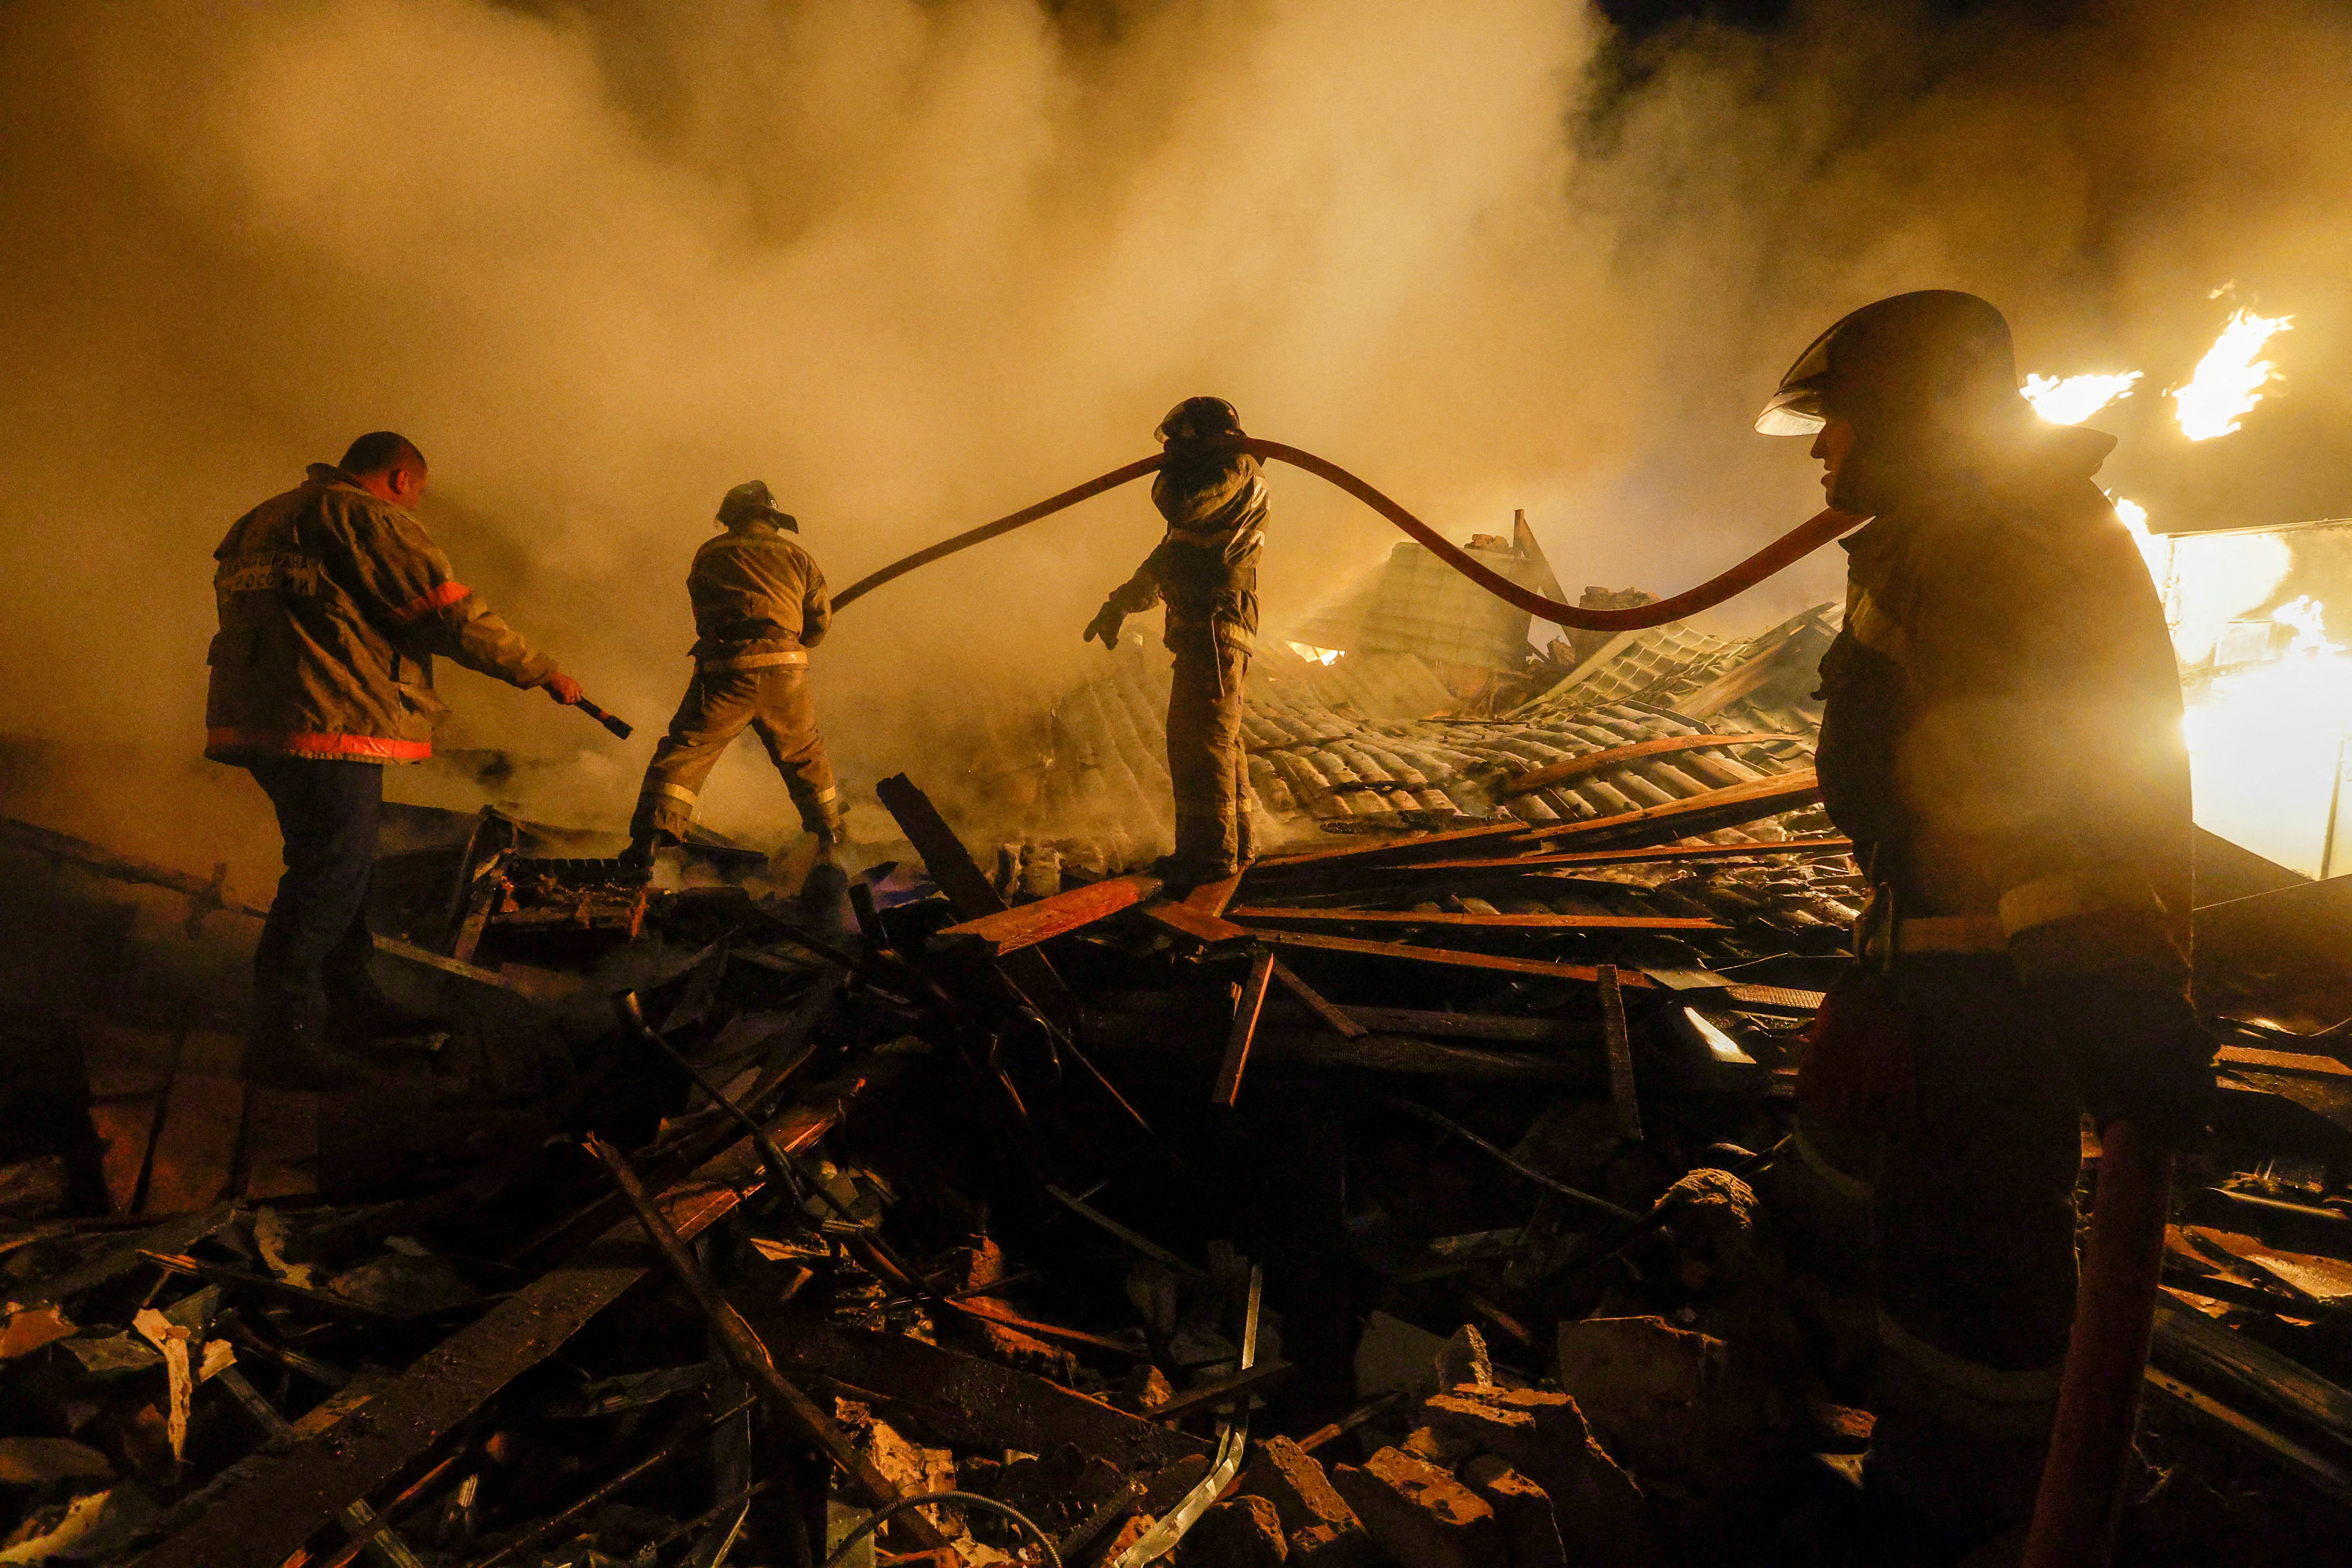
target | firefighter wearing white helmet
x=759, y=605
x=2002, y=738
x=1204, y=571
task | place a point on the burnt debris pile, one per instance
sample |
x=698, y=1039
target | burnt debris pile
x=1424, y=1195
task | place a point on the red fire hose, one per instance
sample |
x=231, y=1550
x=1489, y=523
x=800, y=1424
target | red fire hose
x=2076, y=1511
x=1797, y=543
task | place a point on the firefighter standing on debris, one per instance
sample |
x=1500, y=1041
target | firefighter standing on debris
x=332, y=604
x=759, y=605
x=1205, y=571
x=2002, y=738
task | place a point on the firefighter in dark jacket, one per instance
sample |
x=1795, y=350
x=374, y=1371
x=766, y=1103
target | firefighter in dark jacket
x=2002, y=738
x=333, y=603
x=1205, y=571
x=759, y=605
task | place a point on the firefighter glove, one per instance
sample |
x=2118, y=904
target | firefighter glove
x=1105, y=626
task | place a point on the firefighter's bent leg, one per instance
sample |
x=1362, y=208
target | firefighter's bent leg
x=716, y=707
x=1973, y=1221
x=1207, y=763
x=784, y=712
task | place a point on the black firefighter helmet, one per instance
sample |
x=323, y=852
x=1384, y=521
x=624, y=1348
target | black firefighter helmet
x=1198, y=418
x=1936, y=357
x=753, y=500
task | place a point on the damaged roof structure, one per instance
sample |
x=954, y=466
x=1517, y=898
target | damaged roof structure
x=1408, y=1199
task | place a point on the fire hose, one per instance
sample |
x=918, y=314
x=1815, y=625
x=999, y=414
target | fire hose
x=1790, y=547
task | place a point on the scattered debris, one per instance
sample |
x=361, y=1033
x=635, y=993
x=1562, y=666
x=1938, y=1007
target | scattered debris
x=1408, y=1198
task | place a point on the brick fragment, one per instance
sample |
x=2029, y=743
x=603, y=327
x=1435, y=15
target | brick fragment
x=1522, y=1508
x=1420, y=1516
x=1323, y=1530
x=1241, y=1532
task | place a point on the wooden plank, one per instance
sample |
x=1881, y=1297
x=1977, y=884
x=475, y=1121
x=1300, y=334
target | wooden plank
x=1246, y=1009
x=128, y=1069
x=1219, y=1391
x=1187, y=921
x=1209, y=899
x=1468, y=1026
x=1668, y=854
x=2327, y=1475
x=1617, y=756
x=281, y=1135
x=969, y=891
x=196, y=1148
x=1452, y=958
x=1387, y=851
x=1427, y=1059
x=2187, y=1340
x=1699, y=814
x=284, y=1497
x=1253, y=914
x=1336, y=1017
x=1025, y=925
x=1623, y=1092
x=125, y=1130
x=2294, y=1062
x=963, y=1399
x=446, y=966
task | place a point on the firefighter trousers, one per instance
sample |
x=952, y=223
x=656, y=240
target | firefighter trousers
x=1207, y=763
x=315, y=945
x=718, y=705
x=1940, y=1133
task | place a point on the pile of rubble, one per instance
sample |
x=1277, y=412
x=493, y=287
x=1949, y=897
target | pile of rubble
x=1409, y=1199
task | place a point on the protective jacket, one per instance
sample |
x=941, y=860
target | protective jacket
x=755, y=592
x=2003, y=711
x=1205, y=567
x=333, y=606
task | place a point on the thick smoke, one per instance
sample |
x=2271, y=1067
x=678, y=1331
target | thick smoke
x=918, y=264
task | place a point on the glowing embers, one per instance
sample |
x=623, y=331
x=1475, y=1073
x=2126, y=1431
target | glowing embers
x=1314, y=655
x=2230, y=378
x=2078, y=397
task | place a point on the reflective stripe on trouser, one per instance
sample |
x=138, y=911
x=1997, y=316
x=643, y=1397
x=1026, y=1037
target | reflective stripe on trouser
x=1207, y=766
x=718, y=705
x=1972, y=1224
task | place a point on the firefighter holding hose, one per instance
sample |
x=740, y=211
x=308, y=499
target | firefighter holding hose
x=333, y=602
x=759, y=605
x=2002, y=738
x=1204, y=571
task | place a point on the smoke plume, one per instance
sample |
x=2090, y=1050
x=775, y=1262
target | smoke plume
x=918, y=264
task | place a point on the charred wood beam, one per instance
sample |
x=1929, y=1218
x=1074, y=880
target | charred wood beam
x=1618, y=756
x=2188, y=1341
x=1672, y=854
x=969, y=891
x=1386, y=852
x=1624, y=1093
x=1470, y=1025
x=1255, y=914
x=1219, y=1391
x=749, y=1358
x=1246, y=1009
x=1448, y=957
x=1337, y=1018
x=961, y=1398
x=284, y=1499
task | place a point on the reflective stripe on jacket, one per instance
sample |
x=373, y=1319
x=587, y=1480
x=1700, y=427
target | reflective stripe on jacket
x=333, y=605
